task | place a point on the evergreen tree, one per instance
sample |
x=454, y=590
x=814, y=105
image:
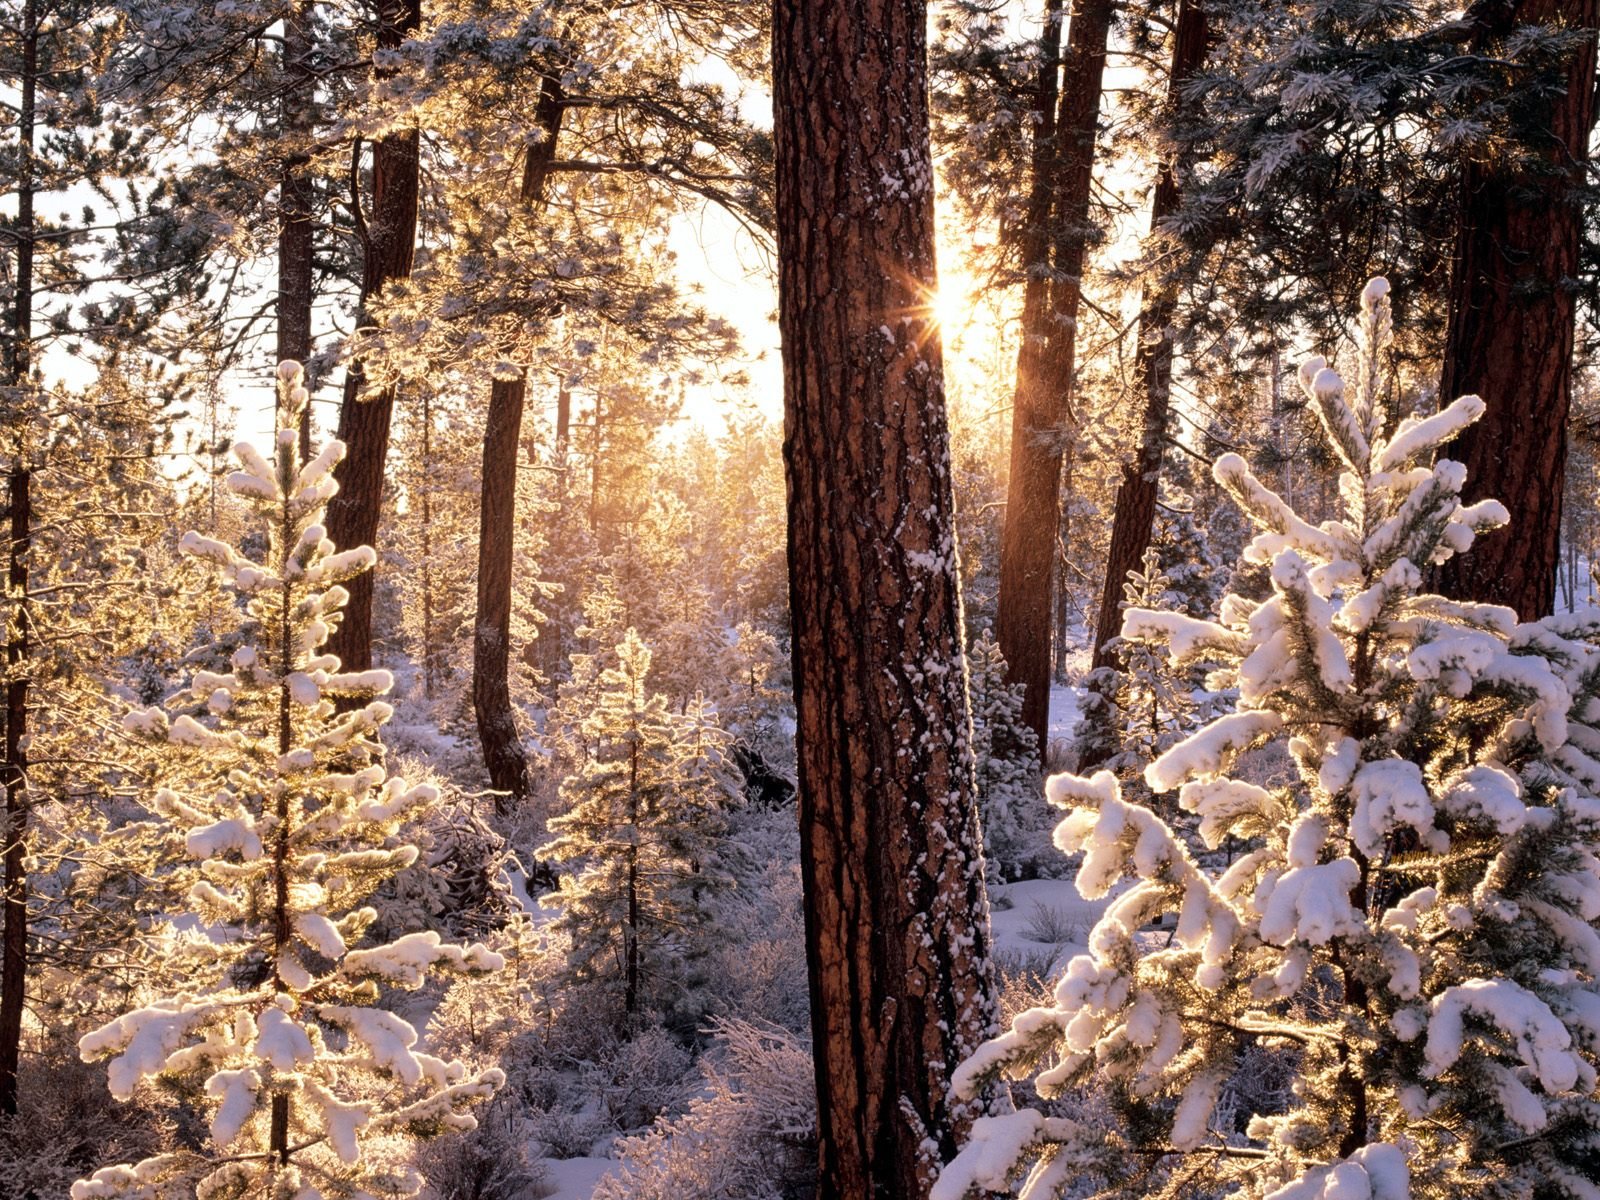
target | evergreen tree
x=292, y=820
x=1015, y=829
x=643, y=815
x=1411, y=930
x=1138, y=709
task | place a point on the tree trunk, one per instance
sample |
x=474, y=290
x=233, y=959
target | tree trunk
x=389, y=243
x=1132, y=525
x=295, y=199
x=630, y=934
x=432, y=653
x=896, y=912
x=491, y=636
x=14, y=941
x=1510, y=335
x=14, y=962
x=1041, y=417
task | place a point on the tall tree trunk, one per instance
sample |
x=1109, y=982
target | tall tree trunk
x=1041, y=417
x=1511, y=333
x=431, y=651
x=896, y=913
x=389, y=238
x=1136, y=494
x=14, y=941
x=491, y=635
x=295, y=199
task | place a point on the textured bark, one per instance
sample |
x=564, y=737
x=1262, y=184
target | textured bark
x=1041, y=417
x=1135, y=512
x=503, y=755
x=388, y=245
x=896, y=913
x=14, y=940
x=295, y=199
x=1510, y=337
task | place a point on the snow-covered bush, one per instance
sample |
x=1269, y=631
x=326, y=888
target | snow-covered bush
x=751, y=1135
x=292, y=821
x=758, y=971
x=1411, y=925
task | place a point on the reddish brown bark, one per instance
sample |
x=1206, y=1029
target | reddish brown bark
x=389, y=237
x=295, y=199
x=1510, y=335
x=13, y=772
x=503, y=755
x=1135, y=512
x=896, y=913
x=1041, y=418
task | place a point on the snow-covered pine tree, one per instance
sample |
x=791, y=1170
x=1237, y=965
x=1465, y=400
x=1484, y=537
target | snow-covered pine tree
x=1134, y=712
x=1411, y=930
x=293, y=820
x=1015, y=818
x=643, y=815
x=1193, y=571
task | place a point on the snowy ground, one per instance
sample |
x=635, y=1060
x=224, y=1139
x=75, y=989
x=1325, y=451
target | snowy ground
x=1045, y=916
x=575, y=1178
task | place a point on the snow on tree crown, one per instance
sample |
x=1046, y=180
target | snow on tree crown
x=291, y=821
x=1395, y=888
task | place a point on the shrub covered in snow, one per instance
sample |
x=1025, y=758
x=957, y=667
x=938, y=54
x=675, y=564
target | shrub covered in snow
x=291, y=820
x=752, y=1134
x=1411, y=924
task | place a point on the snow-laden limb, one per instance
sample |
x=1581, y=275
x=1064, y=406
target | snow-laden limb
x=1542, y=1041
x=1311, y=904
x=406, y=961
x=1209, y=752
x=1388, y=794
x=1325, y=390
x=1272, y=511
x=290, y=818
x=1374, y=1172
x=1416, y=436
x=996, y=1150
x=1186, y=638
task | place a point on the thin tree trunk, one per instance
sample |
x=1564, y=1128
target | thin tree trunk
x=389, y=244
x=1510, y=335
x=295, y=199
x=14, y=942
x=491, y=638
x=1134, y=519
x=430, y=634
x=15, y=955
x=1042, y=418
x=896, y=912
x=630, y=935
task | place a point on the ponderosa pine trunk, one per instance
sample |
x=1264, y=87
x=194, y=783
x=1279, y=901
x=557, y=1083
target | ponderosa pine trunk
x=14, y=939
x=295, y=199
x=1510, y=334
x=503, y=755
x=897, y=939
x=1135, y=512
x=1042, y=417
x=389, y=238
